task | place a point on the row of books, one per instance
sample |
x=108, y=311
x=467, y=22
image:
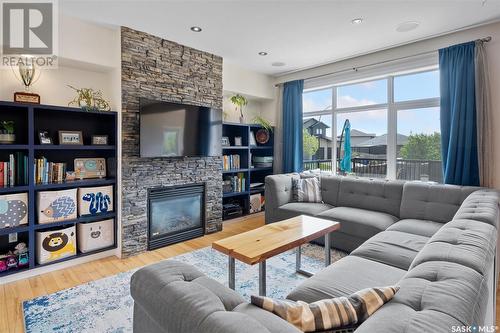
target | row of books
x=15, y=171
x=49, y=172
x=234, y=183
x=230, y=162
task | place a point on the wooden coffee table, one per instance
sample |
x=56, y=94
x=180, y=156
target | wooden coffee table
x=258, y=245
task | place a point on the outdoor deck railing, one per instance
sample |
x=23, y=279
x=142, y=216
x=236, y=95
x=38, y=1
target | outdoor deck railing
x=373, y=167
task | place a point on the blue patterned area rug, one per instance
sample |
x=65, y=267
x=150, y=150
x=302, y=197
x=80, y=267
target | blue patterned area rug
x=105, y=305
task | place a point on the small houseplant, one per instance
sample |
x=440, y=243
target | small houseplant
x=239, y=102
x=262, y=135
x=7, y=131
x=89, y=100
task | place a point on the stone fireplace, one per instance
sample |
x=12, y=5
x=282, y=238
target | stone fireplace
x=158, y=69
x=175, y=214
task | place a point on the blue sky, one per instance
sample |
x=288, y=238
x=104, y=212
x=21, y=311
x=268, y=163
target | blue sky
x=408, y=87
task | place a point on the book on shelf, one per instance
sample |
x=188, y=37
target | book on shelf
x=231, y=162
x=235, y=183
x=14, y=172
x=49, y=172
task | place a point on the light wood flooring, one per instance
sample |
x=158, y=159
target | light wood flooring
x=12, y=294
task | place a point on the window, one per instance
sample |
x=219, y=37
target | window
x=395, y=128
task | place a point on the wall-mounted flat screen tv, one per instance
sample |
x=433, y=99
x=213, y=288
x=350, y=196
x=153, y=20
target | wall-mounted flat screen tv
x=175, y=130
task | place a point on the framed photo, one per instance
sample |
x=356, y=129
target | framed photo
x=44, y=138
x=99, y=139
x=225, y=141
x=70, y=138
x=237, y=141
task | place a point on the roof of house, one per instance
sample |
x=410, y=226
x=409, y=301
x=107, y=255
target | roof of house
x=381, y=140
x=312, y=122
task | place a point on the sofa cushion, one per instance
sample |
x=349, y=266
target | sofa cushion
x=432, y=202
x=330, y=186
x=306, y=190
x=466, y=242
x=481, y=206
x=270, y=321
x=305, y=208
x=345, y=277
x=392, y=248
x=432, y=297
x=417, y=227
x=360, y=222
x=371, y=194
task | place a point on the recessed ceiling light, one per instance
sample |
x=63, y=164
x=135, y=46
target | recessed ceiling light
x=196, y=29
x=278, y=64
x=262, y=53
x=358, y=20
x=407, y=26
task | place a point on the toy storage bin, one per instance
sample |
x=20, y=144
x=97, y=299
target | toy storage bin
x=13, y=210
x=95, y=235
x=53, y=245
x=95, y=200
x=55, y=206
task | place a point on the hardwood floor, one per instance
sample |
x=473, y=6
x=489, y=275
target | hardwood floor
x=13, y=294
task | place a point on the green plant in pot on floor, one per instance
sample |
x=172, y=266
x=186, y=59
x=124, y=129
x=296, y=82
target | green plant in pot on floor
x=7, y=131
x=239, y=102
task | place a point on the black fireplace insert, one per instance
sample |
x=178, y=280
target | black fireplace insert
x=175, y=214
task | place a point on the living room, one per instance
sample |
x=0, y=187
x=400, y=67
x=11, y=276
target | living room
x=249, y=166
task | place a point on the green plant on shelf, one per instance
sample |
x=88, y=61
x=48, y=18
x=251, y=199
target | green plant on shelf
x=89, y=99
x=7, y=127
x=263, y=122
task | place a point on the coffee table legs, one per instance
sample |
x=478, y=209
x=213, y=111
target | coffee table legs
x=298, y=257
x=231, y=271
x=262, y=278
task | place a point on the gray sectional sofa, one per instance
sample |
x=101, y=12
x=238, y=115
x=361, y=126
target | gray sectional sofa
x=437, y=242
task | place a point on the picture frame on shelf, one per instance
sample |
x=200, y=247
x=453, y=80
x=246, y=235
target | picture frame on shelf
x=237, y=141
x=99, y=140
x=70, y=137
x=44, y=138
x=225, y=141
x=252, y=139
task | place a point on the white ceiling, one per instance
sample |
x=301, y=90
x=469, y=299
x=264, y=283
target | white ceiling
x=299, y=33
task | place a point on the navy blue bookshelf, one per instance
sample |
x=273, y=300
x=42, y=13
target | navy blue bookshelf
x=29, y=120
x=245, y=151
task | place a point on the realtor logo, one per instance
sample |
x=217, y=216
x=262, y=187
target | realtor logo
x=29, y=33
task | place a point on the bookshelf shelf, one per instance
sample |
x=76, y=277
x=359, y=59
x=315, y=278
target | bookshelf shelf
x=29, y=121
x=245, y=170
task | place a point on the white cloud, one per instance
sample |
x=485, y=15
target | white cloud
x=346, y=101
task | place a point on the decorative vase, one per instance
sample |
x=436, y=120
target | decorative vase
x=7, y=138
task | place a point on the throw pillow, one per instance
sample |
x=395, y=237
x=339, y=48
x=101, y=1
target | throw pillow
x=306, y=190
x=328, y=313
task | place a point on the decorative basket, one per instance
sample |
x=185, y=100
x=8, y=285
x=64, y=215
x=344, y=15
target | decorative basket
x=96, y=235
x=95, y=200
x=13, y=210
x=55, y=206
x=54, y=245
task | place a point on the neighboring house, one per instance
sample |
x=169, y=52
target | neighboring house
x=377, y=146
x=318, y=129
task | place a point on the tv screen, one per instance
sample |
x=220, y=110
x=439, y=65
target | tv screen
x=174, y=130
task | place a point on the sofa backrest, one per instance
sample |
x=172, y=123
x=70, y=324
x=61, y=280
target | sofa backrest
x=330, y=186
x=435, y=202
x=373, y=194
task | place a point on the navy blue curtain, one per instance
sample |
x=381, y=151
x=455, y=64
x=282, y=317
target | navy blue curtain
x=292, y=126
x=458, y=115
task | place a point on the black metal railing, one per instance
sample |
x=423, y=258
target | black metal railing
x=426, y=170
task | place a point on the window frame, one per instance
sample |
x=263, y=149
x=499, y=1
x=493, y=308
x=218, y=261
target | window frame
x=391, y=106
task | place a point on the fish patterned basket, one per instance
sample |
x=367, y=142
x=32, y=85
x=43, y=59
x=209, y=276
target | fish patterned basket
x=56, y=206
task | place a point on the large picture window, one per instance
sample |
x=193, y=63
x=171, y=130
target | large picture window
x=394, y=127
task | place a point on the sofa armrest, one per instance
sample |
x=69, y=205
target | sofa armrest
x=179, y=298
x=278, y=192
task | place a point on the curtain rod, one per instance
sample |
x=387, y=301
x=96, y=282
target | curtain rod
x=484, y=40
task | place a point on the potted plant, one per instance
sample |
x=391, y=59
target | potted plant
x=239, y=101
x=7, y=131
x=263, y=134
x=89, y=100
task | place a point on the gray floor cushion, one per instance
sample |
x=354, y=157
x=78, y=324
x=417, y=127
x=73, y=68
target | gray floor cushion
x=359, y=222
x=392, y=248
x=344, y=277
x=425, y=228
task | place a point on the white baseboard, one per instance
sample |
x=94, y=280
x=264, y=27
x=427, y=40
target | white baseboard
x=54, y=267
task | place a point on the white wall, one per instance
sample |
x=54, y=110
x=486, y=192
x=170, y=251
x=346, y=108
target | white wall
x=493, y=53
x=258, y=88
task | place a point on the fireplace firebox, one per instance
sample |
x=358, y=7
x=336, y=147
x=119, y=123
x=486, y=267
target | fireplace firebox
x=175, y=214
